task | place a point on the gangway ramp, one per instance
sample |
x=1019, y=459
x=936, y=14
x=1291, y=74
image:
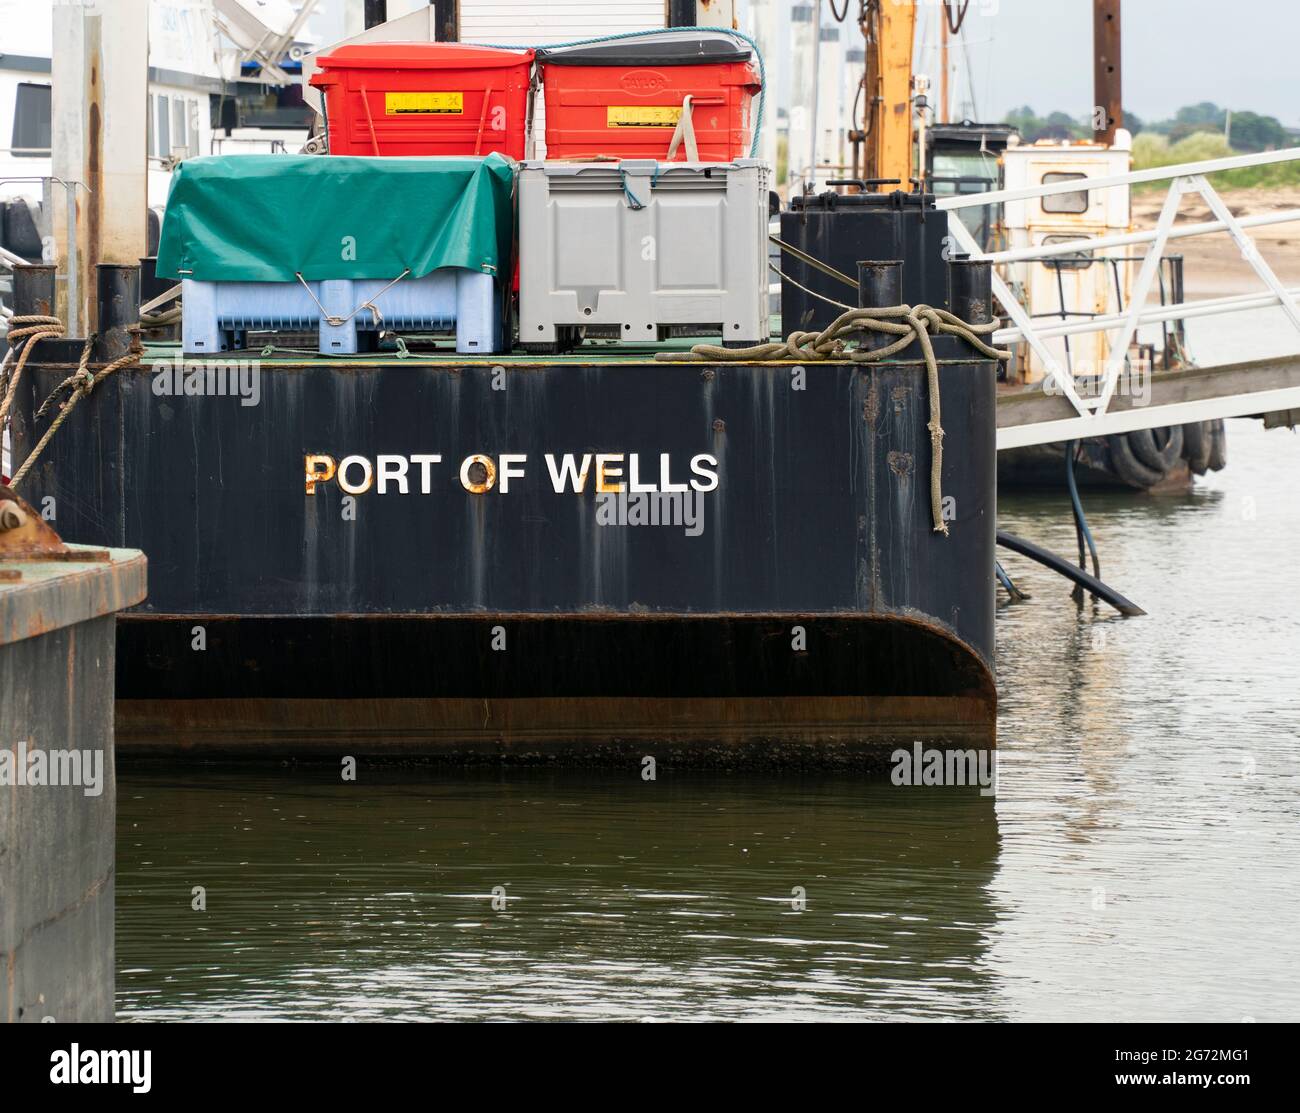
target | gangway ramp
x=1177, y=397
x=1064, y=406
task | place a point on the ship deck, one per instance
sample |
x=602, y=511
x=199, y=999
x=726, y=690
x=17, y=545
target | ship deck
x=589, y=354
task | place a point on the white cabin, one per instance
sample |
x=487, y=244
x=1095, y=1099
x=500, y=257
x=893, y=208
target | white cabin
x=1076, y=285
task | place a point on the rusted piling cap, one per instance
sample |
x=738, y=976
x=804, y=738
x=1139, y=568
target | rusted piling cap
x=46, y=584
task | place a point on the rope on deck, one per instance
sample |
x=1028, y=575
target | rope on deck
x=907, y=323
x=78, y=385
x=25, y=332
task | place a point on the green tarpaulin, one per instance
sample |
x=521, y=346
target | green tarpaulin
x=266, y=218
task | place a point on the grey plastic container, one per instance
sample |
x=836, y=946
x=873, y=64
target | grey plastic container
x=643, y=248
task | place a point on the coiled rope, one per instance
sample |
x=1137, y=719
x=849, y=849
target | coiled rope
x=164, y=319
x=25, y=332
x=907, y=323
x=78, y=385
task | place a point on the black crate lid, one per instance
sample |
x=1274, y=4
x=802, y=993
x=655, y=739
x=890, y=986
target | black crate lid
x=895, y=199
x=688, y=49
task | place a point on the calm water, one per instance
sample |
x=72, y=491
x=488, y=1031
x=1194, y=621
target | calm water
x=1141, y=860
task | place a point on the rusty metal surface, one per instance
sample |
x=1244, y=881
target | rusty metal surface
x=46, y=585
x=716, y=690
x=1107, y=82
x=23, y=533
x=847, y=732
x=38, y=596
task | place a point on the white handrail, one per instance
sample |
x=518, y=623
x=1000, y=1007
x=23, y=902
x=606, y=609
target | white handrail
x=1150, y=315
x=1089, y=244
x=1154, y=174
x=1188, y=177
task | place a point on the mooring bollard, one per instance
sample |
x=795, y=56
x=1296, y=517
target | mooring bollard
x=117, y=297
x=34, y=290
x=970, y=289
x=880, y=285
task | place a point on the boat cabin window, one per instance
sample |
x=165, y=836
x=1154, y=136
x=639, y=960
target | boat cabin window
x=180, y=136
x=1065, y=202
x=262, y=108
x=164, y=130
x=1075, y=261
x=173, y=126
x=31, y=137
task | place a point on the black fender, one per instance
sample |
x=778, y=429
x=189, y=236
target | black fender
x=1125, y=464
x=1159, y=449
x=1196, y=446
x=1218, y=445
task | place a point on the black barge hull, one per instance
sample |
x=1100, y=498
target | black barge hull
x=800, y=608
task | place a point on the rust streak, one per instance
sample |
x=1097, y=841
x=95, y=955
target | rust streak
x=94, y=175
x=871, y=405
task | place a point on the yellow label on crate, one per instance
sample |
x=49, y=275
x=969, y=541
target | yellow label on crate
x=424, y=104
x=642, y=116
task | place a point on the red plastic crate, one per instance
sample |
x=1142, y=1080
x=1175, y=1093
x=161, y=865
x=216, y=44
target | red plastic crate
x=623, y=99
x=425, y=99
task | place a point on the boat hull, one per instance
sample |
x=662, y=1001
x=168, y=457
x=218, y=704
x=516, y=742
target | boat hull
x=711, y=689
x=800, y=607
x=1151, y=460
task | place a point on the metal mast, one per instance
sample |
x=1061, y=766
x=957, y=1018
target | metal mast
x=1108, y=111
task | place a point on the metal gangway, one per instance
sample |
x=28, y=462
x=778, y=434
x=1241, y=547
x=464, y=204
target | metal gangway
x=1055, y=410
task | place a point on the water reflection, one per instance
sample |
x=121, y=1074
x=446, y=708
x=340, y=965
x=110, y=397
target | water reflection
x=1142, y=862
x=1149, y=782
x=624, y=899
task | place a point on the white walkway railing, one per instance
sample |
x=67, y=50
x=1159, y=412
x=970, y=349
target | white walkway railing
x=1183, y=179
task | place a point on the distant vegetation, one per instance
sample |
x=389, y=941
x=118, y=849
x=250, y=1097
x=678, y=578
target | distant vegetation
x=1197, y=131
x=1249, y=130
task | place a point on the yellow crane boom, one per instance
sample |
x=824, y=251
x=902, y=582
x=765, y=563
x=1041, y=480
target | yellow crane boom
x=889, y=27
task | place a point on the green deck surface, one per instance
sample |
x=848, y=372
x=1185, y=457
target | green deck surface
x=611, y=352
x=442, y=350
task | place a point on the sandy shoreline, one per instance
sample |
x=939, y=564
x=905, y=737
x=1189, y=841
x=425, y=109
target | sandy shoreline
x=1213, y=265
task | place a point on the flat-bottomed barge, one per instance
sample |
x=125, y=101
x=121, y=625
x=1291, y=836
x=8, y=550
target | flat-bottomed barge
x=449, y=556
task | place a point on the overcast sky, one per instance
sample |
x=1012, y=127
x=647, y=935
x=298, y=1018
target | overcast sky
x=1243, y=54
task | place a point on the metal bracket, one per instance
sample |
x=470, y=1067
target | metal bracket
x=25, y=535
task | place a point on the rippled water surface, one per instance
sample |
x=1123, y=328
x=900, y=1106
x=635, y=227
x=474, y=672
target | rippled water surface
x=1141, y=860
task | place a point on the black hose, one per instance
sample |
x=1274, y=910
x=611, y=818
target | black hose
x=1080, y=521
x=1007, y=582
x=1059, y=564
